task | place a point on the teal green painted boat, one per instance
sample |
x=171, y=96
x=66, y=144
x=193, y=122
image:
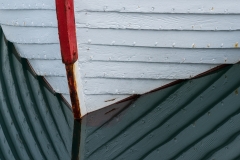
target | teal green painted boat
x=156, y=80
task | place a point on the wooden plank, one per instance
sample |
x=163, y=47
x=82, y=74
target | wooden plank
x=153, y=6
x=28, y=4
x=142, y=70
x=39, y=51
x=48, y=67
x=33, y=35
x=156, y=6
x=38, y=18
x=96, y=102
x=154, y=54
x=123, y=69
x=98, y=86
x=150, y=38
x=153, y=21
x=59, y=84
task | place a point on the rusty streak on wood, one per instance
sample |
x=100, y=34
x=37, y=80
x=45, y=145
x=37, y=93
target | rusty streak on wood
x=72, y=84
x=69, y=52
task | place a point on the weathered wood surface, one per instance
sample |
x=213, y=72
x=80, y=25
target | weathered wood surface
x=195, y=119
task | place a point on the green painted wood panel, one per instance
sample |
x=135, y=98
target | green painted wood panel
x=35, y=123
x=194, y=119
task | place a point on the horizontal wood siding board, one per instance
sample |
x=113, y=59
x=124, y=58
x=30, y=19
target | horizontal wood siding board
x=123, y=70
x=118, y=86
x=29, y=18
x=39, y=51
x=155, y=54
x=48, y=67
x=150, y=38
x=145, y=38
x=153, y=21
x=32, y=35
x=142, y=70
x=96, y=102
x=143, y=21
x=156, y=6
x=28, y=4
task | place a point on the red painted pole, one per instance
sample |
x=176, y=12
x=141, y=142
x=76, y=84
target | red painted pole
x=67, y=30
x=69, y=52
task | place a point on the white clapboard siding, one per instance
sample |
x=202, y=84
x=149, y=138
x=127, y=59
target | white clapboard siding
x=36, y=18
x=48, y=67
x=160, y=71
x=32, y=27
x=131, y=47
x=95, y=102
x=155, y=54
x=146, y=21
x=160, y=6
x=118, y=86
x=150, y=38
x=39, y=51
x=125, y=47
x=59, y=84
x=27, y=4
x=122, y=70
x=43, y=35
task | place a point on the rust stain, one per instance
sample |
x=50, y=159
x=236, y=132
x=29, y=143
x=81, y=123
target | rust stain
x=236, y=45
x=236, y=91
x=72, y=84
x=110, y=100
x=110, y=111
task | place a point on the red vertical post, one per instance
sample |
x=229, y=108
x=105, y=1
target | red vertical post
x=67, y=30
x=69, y=52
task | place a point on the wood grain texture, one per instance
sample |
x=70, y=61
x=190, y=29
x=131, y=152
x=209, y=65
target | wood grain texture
x=149, y=38
x=157, y=54
x=157, y=21
x=191, y=120
x=156, y=6
x=124, y=70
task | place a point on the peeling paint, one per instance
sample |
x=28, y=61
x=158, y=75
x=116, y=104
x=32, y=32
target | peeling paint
x=236, y=91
